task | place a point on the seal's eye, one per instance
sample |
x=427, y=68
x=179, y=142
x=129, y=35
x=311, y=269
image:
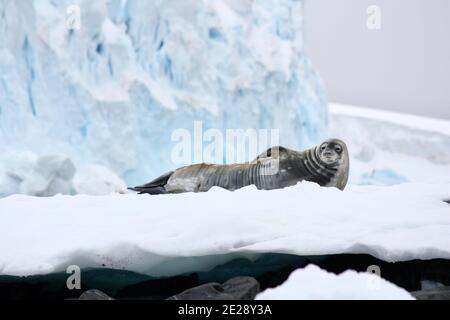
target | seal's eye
x=323, y=147
x=338, y=149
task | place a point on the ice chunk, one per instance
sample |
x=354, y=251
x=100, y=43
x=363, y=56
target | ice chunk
x=313, y=283
x=382, y=177
x=14, y=167
x=38, y=176
x=53, y=175
x=29, y=174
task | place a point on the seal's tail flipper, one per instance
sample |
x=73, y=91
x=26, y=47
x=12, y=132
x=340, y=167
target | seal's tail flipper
x=154, y=187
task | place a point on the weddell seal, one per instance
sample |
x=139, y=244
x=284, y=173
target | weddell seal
x=326, y=164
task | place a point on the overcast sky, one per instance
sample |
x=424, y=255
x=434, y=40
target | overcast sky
x=404, y=66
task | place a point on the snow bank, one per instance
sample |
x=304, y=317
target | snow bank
x=389, y=148
x=313, y=283
x=173, y=234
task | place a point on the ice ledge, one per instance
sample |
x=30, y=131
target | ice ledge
x=404, y=119
x=168, y=235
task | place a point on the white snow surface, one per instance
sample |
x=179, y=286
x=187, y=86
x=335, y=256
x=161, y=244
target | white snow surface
x=313, y=283
x=172, y=234
x=98, y=180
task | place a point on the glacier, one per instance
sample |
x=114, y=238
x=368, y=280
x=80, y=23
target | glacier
x=112, y=92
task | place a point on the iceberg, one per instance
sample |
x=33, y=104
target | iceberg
x=111, y=92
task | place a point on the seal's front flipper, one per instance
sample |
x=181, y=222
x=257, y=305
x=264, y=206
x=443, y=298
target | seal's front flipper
x=154, y=187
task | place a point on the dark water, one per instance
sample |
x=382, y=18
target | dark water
x=270, y=270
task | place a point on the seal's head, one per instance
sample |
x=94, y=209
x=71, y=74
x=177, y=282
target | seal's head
x=332, y=152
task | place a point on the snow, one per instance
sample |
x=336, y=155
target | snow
x=389, y=148
x=313, y=283
x=172, y=234
x=112, y=92
x=98, y=180
x=409, y=120
x=27, y=173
